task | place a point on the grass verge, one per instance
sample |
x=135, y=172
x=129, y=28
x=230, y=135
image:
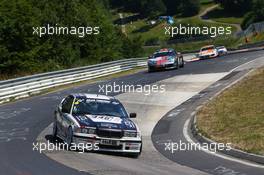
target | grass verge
x=237, y=115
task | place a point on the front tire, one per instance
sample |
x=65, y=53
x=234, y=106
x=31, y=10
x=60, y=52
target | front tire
x=69, y=138
x=55, y=130
x=136, y=155
x=177, y=63
x=182, y=62
x=151, y=69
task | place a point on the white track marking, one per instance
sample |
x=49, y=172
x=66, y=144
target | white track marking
x=243, y=65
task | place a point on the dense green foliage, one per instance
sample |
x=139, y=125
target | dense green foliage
x=190, y=7
x=254, y=10
x=255, y=15
x=236, y=6
x=25, y=53
x=153, y=8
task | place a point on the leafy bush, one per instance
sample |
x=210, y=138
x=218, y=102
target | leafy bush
x=25, y=53
x=255, y=15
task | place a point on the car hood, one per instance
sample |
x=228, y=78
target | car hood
x=207, y=52
x=159, y=58
x=109, y=122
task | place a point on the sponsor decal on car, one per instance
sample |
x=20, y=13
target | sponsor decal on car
x=109, y=119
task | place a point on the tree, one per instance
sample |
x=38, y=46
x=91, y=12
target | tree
x=255, y=15
x=173, y=6
x=236, y=6
x=190, y=7
x=152, y=8
x=25, y=53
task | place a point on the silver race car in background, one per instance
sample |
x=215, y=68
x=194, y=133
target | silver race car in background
x=98, y=119
x=221, y=50
x=165, y=59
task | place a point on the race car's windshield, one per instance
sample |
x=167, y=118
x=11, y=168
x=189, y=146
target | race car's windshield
x=84, y=106
x=162, y=54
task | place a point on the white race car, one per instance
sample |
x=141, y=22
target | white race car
x=208, y=52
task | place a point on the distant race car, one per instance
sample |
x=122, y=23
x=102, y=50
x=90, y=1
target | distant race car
x=221, y=50
x=90, y=118
x=165, y=59
x=208, y=52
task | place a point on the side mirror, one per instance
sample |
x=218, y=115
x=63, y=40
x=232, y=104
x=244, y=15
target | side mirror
x=132, y=115
x=149, y=57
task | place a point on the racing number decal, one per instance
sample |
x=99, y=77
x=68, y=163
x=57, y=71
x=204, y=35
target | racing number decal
x=105, y=119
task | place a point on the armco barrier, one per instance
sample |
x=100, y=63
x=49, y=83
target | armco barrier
x=25, y=86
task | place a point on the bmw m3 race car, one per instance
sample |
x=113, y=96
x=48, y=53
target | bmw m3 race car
x=97, y=119
x=208, y=52
x=221, y=50
x=165, y=59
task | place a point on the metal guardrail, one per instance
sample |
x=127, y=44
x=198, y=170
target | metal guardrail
x=28, y=85
x=25, y=86
x=252, y=29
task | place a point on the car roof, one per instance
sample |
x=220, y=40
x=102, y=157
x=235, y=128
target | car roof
x=165, y=50
x=93, y=96
x=208, y=46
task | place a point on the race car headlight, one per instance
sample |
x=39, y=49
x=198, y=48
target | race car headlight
x=130, y=134
x=171, y=59
x=151, y=62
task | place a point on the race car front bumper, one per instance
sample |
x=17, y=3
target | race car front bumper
x=208, y=56
x=162, y=66
x=125, y=144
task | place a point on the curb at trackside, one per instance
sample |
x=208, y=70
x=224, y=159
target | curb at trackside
x=259, y=159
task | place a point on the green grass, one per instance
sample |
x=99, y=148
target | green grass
x=147, y=32
x=237, y=115
x=156, y=33
x=202, y=2
x=259, y=37
x=229, y=42
x=150, y=33
x=205, y=4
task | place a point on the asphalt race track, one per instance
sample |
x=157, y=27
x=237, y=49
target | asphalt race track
x=24, y=121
